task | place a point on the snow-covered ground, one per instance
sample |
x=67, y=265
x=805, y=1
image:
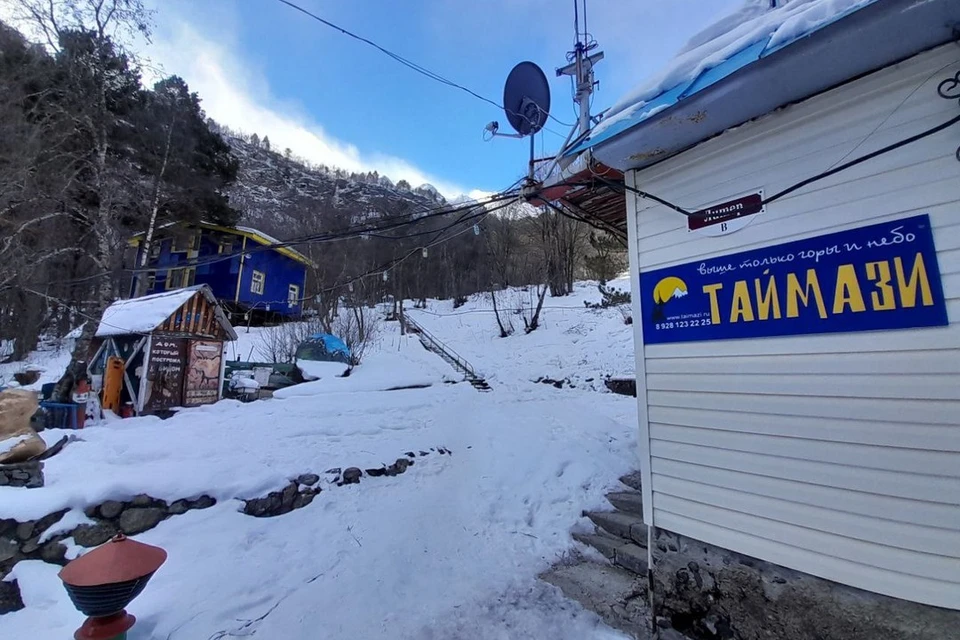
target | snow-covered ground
x=450, y=549
x=573, y=342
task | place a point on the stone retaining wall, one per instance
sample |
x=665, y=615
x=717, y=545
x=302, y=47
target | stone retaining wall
x=22, y=474
x=710, y=593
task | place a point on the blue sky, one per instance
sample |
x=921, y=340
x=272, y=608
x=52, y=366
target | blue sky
x=262, y=67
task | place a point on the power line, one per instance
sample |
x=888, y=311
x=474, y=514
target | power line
x=408, y=63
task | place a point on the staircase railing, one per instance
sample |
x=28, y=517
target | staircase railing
x=433, y=344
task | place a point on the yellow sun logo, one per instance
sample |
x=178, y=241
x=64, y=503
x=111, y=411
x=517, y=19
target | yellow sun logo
x=669, y=288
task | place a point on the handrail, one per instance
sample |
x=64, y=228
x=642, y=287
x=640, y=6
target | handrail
x=455, y=358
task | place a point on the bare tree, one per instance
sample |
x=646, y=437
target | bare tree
x=102, y=78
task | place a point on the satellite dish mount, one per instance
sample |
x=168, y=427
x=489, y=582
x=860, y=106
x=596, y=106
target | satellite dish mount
x=526, y=103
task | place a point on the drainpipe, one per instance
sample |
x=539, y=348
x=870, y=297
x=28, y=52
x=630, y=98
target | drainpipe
x=243, y=255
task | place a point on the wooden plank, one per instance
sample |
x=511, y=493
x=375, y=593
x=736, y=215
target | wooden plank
x=202, y=313
x=190, y=321
x=920, y=512
x=880, y=409
x=900, y=431
x=901, y=535
x=919, y=461
x=915, y=486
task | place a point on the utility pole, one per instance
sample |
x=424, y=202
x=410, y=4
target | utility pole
x=580, y=66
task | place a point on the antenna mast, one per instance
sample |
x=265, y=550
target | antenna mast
x=580, y=66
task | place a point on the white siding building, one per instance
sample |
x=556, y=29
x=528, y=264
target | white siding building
x=830, y=445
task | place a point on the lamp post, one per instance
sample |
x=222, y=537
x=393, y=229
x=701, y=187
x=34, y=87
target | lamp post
x=103, y=582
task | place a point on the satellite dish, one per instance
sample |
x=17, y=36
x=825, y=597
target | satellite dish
x=526, y=98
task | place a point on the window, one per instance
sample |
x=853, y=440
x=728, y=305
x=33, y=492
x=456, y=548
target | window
x=155, y=248
x=189, y=277
x=194, y=241
x=293, y=295
x=226, y=245
x=151, y=281
x=173, y=279
x=257, y=282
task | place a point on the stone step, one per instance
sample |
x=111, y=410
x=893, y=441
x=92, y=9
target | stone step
x=616, y=595
x=624, y=525
x=627, y=501
x=626, y=555
x=632, y=480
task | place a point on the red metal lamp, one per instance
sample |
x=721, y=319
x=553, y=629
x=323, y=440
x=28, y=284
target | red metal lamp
x=103, y=582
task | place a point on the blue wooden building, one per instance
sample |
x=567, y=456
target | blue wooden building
x=242, y=266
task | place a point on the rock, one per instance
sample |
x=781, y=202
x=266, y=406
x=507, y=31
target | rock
x=91, y=511
x=10, y=599
x=92, y=535
x=30, y=546
x=335, y=471
x=4, y=481
x=308, y=479
x=302, y=500
x=143, y=500
x=25, y=530
x=137, y=520
x=53, y=552
x=8, y=549
x=27, y=377
x=287, y=497
x=179, y=507
x=410, y=454
x=424, y=453
x=204, y=502
x=48, y=521
x=376, y=473
x=351, y=475
x=111, y=509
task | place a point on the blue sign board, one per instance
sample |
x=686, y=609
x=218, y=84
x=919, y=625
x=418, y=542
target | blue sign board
x=884, y=276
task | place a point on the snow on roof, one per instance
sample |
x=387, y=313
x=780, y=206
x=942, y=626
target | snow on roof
x=756, y=29
x=142, y=315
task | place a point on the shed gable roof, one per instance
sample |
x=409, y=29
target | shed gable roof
x=147, y=314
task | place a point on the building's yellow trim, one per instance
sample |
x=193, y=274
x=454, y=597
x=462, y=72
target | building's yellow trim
x=243, y=254
x=256, y=237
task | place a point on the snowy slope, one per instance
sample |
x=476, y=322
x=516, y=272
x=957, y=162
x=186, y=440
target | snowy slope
x=574, y=343
x=450, y=549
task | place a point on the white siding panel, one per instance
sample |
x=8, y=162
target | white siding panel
x=918, y=461
x=855, y=431
x=929, y=540
x=895, y=559
x=865, y=576
x=835, y=454
x=881, y=508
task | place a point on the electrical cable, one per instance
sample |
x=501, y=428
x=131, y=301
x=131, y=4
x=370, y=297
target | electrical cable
x=408, y=63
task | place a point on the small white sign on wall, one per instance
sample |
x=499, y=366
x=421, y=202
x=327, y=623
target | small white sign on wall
x=728, y=216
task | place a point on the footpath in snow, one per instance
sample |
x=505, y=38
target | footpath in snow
x=450, y=549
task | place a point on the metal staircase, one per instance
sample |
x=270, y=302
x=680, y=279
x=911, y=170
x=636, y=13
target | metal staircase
x=455, y=360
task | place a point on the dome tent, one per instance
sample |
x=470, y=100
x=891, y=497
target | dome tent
x=324, y=347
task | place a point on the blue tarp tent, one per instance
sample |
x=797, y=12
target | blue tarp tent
x=323, y=347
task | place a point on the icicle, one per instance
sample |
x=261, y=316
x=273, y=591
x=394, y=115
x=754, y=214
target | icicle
x=424, y=252
x=476, y=229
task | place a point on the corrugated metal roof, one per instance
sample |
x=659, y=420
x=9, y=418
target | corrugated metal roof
x=768, y=74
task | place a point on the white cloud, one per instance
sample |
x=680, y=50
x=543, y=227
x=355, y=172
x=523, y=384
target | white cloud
x=236, y=95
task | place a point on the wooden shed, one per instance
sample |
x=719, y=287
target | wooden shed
x=171, y=346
